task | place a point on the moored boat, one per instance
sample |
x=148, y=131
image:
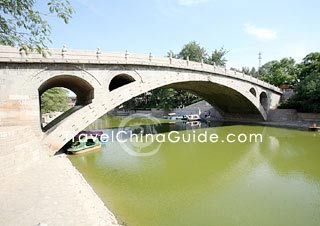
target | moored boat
x=193, y=124
x=174, y=116
x=79, y=147
x=314, y=127
x=194, y=117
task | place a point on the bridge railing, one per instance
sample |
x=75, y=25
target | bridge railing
x=64, y=55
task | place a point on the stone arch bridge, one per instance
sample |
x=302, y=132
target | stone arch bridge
x=103, y=81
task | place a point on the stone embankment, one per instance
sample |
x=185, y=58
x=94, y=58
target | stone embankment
x=290, y=118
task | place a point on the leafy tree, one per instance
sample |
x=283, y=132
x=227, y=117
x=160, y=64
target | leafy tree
x=218, y=57
x=194, y=51
x=54, y=99
x=163, y=98
x=279, y=72
x=245, y=70
x=21, y=24
x=310, y=64
x=171, y=53
x=253, y=72
x=307, y=97
x=307, y=91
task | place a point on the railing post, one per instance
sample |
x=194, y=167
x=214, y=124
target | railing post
x=150, y=57
x=170, y=57
x=201, y=63
x=187, y=60
x=64, y=50
x=22, y=52
x=98, y=52
x=126, y=55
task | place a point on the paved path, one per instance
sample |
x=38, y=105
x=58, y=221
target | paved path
x=52, y=192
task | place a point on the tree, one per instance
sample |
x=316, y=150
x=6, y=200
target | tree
x=21, y=24
x=279, y=72
x=54, y=99
x=194, y=51
x=172, y=54
x=307, y=96
x=307, y=90
x=218, y=57
x=310, y=64
x=253, y=72
x=245, y=70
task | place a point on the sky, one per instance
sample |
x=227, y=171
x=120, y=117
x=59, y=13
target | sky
x=276, y=28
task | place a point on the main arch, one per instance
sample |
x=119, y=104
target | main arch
x=233, y=99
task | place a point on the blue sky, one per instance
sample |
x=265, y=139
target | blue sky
x=277, y=28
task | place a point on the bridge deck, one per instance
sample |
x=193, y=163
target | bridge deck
x=13, y=55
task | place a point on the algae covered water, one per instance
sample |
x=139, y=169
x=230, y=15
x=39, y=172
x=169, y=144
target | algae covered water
x=273, y=182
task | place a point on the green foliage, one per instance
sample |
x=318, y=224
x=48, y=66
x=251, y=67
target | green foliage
x=162, y=98
x=309, y=65
x=246, y=70
x=253, y=72
x=21, y=24
x=172, y=54
x=197, y=53
x=55, y=99
x=194, y=51
x=279, y=72
x=307, y=91
x=218, y=57
x=307, y=97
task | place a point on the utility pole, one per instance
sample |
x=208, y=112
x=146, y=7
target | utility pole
x=259, y=58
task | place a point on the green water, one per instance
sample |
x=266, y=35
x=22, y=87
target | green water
x=276, y=182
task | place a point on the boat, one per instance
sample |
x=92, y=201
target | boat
x=194, y=117
x=92, y=144
x=314, y=127
x=194, y=124
x=174, y=116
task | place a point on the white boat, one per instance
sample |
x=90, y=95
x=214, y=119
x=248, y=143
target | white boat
x=173, y=116
x=193, y=124
x=194, y=117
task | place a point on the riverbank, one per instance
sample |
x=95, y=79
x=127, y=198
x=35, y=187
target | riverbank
x=54, y=193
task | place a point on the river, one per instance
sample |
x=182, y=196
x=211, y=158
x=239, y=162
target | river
x=273, y=182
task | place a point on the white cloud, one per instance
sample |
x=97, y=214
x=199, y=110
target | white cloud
x=259, y=32
x=190, y=2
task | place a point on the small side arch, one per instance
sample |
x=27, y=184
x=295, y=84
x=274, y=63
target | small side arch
x=264, y=100
x=253, y=92
x=119, y=81
x=81, y=88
